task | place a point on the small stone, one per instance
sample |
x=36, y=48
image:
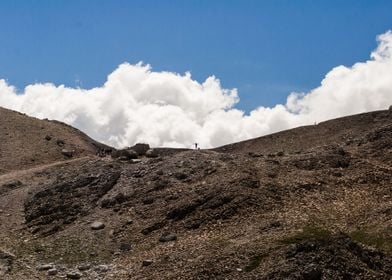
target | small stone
x=136, y=160
x=168, y=237
x=125, y=247
x=239, y=269
x=180, y=175
x=60, y=142
x=45, y=267
x=97, y=225
x=52, y=271
x=84, y=267
x=48, y=137
x=74, y=275
x=6, y=260
x=13, y=184
x=67, y=153
x=151, y=153
x=147, y=262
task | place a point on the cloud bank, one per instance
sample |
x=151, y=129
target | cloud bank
x=137, y=104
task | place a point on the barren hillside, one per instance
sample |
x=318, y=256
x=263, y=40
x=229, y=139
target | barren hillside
x=26, y=142
x=313, y=202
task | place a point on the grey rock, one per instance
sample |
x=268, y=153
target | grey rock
x=102, y=268
x=147, y=262
x=140, y=148
x=97, y=225
x=125, y=247
x=168, y=237
x=84, y=267
x=60, y=142
x=42, y=267
x=52, y=271
x=151, y=153
x=10, y=186
x=74, y=275
x=124, y=154
x=6, y=261
x=180, y=175
x=67, y=153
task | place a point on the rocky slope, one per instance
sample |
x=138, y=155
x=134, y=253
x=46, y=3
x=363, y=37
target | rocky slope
x=309, y=203
x=26, y=142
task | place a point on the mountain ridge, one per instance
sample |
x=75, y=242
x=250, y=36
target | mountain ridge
x=313, y=202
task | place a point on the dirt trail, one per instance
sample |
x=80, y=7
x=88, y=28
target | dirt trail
x=21, y=173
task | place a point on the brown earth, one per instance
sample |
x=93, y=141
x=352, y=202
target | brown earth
x=313, y=202
x=26, y=142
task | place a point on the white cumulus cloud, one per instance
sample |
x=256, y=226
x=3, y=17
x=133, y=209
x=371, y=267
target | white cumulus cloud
x=137, y=104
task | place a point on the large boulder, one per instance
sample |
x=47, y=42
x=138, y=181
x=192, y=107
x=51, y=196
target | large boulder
x=124, y=154
x=140, y=148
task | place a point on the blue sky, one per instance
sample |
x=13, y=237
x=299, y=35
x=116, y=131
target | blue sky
x=266, y=49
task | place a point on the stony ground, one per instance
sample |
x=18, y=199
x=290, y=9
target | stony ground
x=309, y=203
x=27, y=142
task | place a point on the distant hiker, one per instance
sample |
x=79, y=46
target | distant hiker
x=195, y=146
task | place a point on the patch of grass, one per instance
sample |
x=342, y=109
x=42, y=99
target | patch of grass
x=307, y=233
x=255, y=262
x=376, y=240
